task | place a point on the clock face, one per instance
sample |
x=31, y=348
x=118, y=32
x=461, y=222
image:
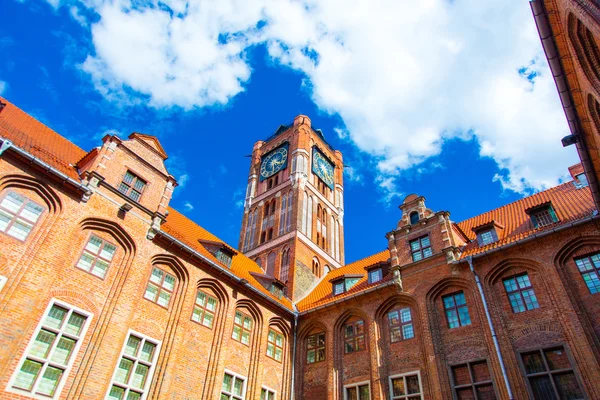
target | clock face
x=323, y=168
x=273, y=162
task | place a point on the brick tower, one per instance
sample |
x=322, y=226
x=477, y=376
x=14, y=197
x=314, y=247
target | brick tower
x=293, y=224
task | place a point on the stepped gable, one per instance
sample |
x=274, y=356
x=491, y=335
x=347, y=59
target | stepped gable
x=36, y=138
x=569, y=203
x=322, y=294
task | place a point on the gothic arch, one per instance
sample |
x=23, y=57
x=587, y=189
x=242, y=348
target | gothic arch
x=496, y=272
x=572, y=246
x=113, y=229
x=43, y=190
x=311, y=326
x=586, y=49
x=445, y=283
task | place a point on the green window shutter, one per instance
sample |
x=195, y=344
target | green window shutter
x=552, y=214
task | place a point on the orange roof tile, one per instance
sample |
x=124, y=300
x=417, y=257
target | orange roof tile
x=37, y=139
x=569, y=203
x=188, y=232
x=323, y=294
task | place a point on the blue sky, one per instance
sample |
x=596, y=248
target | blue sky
x=451, y=100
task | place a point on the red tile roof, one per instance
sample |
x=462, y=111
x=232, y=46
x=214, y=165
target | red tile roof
x=569, y=203
x=36, y=138
x=188, y=232
x=323, y=294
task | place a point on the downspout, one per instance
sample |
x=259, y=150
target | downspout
x=491, y=325
x=293, y=389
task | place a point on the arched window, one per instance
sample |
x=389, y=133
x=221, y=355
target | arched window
x=337, y=240
x=316, y=268
x=285, y=266
x=414, y=217
x=270, y=234
x=282, y=215
x=276, y=180
x=242, y=327
x=309, y=217
x=263, y=237
x=258, y=261
x=289, y=213
x=304, y=213
x=248, y=231
x=586, y=49
x=254, y=223
x=354, y=335
x=319, y=224
x=205, y=309
x=271, y=264
x=400, y=324
x=326, y=269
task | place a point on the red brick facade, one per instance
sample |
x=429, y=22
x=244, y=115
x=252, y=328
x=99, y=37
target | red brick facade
x=107, y=292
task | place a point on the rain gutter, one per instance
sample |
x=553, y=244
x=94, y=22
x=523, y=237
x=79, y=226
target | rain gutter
x=7, y=144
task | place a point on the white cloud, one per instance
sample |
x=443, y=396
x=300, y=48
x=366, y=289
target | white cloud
x=404, y=76
x=3, y=87
x=187, y=206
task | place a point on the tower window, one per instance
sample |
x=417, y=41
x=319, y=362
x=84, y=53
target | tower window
x=132, y=186
x=316, y=268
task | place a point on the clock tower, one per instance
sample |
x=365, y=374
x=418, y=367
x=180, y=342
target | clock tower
x=293, y=224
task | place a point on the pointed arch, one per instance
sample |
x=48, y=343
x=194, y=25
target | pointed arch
x=284, y=270
x=586, y=49
x=288, y=226
x=43, y=190
x=496, y=272
x=282, y=215
x=113, y=229
x=309, y=218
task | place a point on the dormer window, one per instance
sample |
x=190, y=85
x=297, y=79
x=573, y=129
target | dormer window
x=345, y=283
x=224, y=257
x=277, y=290
x=375, y=275
x=582, y=179
x=222, y=252
x=486, y=237
x=543, y=215
x=132, y=186
x=414, y=217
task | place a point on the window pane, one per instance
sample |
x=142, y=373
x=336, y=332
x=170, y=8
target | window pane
x=557, y=359
x=237, y=333
x=592, y=281
x=19, y=230
x=100, y=268
x=49, y=381
x=310, y=356
x=349, y=346
x=135, y=196
x=42, y=343
x=128, y=177
x=116, y=393
x=481, y=372
x=163, y=298
x=157, y=275
x=405, y=315
x=208, y=320
x=510, y=284
x=32, y=212
x=147, y=351
x=320, y=354
x=123, y=188
x=417, y=256
x=393, y=318
x=465, y=394
x=27, y=375
x=151, y=292
x=4, y=220
x=123, y=371
x=523, y=281
x=412, y=384
x=425, y=242
x=352, y=393
x=212, y=304
x=133, y=343
x=584, y=264
x=485, y=392
x=567, y=386
x=395, y=334
x=169, y=282
x=227, y=383
x=108, y=251
x=139, y=377
x=460, y=299
x=13, y=202
x=279, y=340
x=461, y=375
x=85, y=262
x=516, y=302
x=245, y=337
x=197, y=314
x=94, y=244
x=408, y=331
x=448, y=302
x=139, y=185
x=530, y=299
x=542, y=388
x=414, y=245
x=63, y=350
x=270, y=350
x=427, y=252
x=463, y=313
x=134, y=396
x=238, y=318
x=398, y=387
x=238, y=387
x=201, y=299
x=533, y=363
x=247, y=323
x=278, y=354
x=364, y=392
x=452, y=317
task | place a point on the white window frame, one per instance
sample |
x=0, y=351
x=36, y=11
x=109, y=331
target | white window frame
x=153, y=363
x=391, y=377
x=67, y=370
x=356, y=385
x=235, y=375
x=268, y=389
